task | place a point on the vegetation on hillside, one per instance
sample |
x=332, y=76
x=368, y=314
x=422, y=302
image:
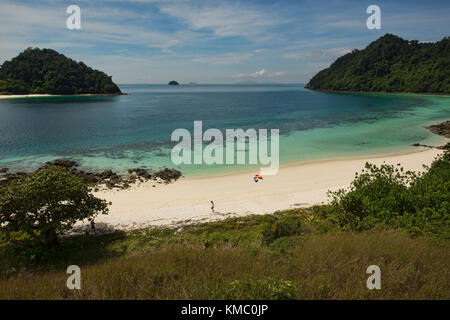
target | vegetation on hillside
x=39, y=71
x=394, y=219
x=227, y=260
x=390, y=64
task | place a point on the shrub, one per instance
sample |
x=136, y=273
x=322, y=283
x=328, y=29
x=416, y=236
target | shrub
x=282, y=227
x=387, y=194
x=266, y=289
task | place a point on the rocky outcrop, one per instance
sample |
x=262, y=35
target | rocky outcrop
x=168, y=175
x=442, y=129
x=107, y=178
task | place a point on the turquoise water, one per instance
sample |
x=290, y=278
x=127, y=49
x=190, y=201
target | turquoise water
x=134, y=130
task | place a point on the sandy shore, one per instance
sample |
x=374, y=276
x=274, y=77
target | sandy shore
x=13, y=96
x=188, y=200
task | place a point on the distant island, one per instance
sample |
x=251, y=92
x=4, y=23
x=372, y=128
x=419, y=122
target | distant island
x=173, y=83
x=389, y=64
x=45, y=71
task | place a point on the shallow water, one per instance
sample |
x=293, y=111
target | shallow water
x=134, y=130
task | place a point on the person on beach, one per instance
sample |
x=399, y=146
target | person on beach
x=93, y=226
x=212, y=206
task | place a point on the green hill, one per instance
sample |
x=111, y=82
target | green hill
x=390, y=64
x=47, y=71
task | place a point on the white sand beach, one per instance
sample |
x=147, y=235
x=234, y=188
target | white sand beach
x=188, y=200
x=14, y=96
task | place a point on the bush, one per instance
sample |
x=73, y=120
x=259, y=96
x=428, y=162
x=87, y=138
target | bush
x=267, y=289
x=387, y=194
x=282, y=227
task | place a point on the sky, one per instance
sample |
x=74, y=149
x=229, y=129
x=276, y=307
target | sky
x=212, y=41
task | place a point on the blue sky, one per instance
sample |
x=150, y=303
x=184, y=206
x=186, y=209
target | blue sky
x=209, y=41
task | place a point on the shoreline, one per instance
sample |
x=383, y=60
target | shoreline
x=438, y=94
x=418, y=149
x=187, y=201
x=43, y=95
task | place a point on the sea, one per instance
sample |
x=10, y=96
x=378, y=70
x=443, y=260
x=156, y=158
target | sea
x=134, y=130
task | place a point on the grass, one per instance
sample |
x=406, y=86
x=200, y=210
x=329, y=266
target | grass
x=234, y=259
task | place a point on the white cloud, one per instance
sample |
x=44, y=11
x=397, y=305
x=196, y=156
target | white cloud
x=255, y=75
x=225, y=58
x=224, y=20
x=317, y=54
x=45, y=25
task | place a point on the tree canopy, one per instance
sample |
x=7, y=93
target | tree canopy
x=42, y=71
x=390, y=64
x=45, y=203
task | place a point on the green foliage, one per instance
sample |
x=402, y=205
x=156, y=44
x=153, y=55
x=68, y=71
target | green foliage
x=283, y=227
x=390, y=64
x=419, y=202
x=47, y=71
x=266, y=289
x=45, y=203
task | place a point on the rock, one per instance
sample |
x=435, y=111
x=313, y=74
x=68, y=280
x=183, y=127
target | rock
x=421, y=145
x=442, y=129
x=65, y=163
x=109, y=185
x=107, y=178
x=90, y=178
x=107, y=174
x=168, y=175
x=173, y=83
x=445, y=147
x=141, y=173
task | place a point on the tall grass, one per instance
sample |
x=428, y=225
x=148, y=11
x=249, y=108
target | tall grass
x=319, y=266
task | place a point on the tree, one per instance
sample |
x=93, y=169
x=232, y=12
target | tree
x=45, y=203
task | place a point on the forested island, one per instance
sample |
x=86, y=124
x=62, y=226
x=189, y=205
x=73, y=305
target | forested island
x=45, y=71
x=390, y=64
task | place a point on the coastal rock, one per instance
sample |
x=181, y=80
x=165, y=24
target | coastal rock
x=445, y=147
x=90, y=178
x=64, y=163
x=107, y=178
x=442, y=129
x=168, y=175
x=141, y=173
x=422, y=145
x=173, y=83
x=107, y=174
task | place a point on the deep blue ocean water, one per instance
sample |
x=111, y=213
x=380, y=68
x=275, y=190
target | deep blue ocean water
x=134, y=130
